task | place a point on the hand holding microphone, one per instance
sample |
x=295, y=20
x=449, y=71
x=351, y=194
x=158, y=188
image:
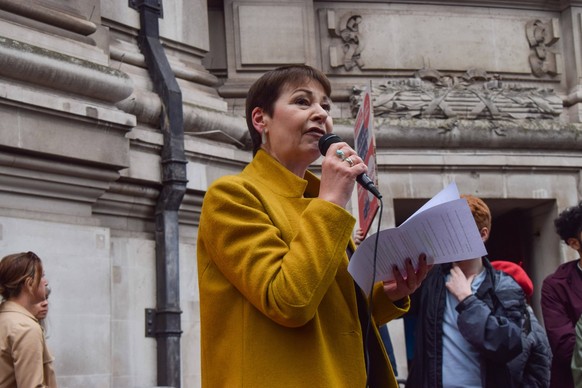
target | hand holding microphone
x=324, y=144
x=339, y=170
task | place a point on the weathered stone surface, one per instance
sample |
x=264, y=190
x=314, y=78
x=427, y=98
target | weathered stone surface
x=284, y=23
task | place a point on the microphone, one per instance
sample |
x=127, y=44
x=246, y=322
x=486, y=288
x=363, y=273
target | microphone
x=325, y=141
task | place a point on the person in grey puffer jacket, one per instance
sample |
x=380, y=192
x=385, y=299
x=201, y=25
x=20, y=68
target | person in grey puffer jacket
x=536, y=354
x=492, y=329
x=469, y=322
x=532, y=367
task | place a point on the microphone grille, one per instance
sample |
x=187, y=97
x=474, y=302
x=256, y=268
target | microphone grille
x=326, y=140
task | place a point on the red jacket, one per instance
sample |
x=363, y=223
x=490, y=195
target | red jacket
x=561, y=308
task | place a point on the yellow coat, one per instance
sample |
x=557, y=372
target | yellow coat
x=277, y=304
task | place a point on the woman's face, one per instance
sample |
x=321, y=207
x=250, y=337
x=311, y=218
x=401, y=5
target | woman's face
x=40, y=294
x=300, y=117
x=41, y=309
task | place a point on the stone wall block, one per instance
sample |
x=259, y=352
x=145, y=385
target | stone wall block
x=261, y=31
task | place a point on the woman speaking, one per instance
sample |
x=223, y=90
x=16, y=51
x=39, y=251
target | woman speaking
x=278, y=307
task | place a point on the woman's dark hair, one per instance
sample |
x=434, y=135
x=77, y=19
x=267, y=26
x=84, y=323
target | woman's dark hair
x=15, y=269
x=267, y=89
x=569, y=222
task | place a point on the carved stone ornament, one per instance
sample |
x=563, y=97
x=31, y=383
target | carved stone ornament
x=541, y=38
x=348, y=52
x=474, y=96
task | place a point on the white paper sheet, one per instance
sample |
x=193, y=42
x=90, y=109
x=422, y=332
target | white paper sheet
x=444, y=229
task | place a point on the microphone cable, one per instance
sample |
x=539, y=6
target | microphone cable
x=370, y=297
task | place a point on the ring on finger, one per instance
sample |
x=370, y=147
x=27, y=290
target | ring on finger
x=340, y=154
x=350, y=161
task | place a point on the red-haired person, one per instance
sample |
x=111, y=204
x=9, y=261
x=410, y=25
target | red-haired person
x=24, y=357
x=468, y=323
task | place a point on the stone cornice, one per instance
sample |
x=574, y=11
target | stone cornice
x=483, y=138
x=39, y=66
x=128, y=200
x=124, y=53
x=136, y=201
x=480, y=161
x=476, y=134
x=198, y=121
x=544, y=5
x=36, y=11
x=34, y=176
x=18, y=94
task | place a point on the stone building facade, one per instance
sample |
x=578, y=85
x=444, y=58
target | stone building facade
x=483, y=93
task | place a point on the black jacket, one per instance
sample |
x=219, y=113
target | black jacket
x=490, y=320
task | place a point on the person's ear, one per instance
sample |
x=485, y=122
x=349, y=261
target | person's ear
x=484, y=232
x=29, y=284
x=259, y=119
x=573, y=243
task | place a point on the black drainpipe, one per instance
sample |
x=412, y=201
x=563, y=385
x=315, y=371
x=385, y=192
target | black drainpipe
x=163, y=323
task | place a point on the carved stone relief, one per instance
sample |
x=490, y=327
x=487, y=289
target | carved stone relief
x=348, y=52
x=542, y=38
x=475, y=95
